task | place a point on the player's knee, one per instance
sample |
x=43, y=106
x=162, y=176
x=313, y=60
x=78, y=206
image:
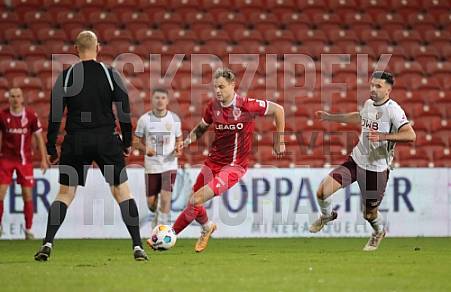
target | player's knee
x=197, y=198
x=370, y=216
x=151, y=203
x=320, y=193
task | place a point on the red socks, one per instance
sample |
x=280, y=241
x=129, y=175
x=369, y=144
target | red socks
x=1, y=211
x=188, y=215
x=28, y=213
x=202, y=217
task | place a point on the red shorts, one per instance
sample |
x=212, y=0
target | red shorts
x=24, y=172
x=218, y=177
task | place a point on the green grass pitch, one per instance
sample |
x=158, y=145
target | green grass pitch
x=293, y=264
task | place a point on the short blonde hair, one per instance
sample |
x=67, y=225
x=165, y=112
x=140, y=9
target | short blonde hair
x=226, y=73
x=17, y=89
x=86, y=40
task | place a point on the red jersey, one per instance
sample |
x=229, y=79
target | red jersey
x=234, y=127
x=17, y=130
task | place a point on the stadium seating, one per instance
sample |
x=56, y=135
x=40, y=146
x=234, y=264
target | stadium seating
x=417, y=33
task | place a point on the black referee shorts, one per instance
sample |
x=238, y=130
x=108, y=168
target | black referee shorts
x=81, y=149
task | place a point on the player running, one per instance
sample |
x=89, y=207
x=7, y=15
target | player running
x=17, y=126
x=159, y=136
x=383, y=124
x=233, y=119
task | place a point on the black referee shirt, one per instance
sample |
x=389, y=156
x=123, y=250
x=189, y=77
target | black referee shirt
x=88, y=90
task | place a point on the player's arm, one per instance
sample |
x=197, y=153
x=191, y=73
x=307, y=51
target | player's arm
x=178, y=146
x=405, y=134
x=348, y=118
x=196, y=133
x=42, y=151
x=122, y=104
x=57, y=106
x=140, y=144
x=278, y=112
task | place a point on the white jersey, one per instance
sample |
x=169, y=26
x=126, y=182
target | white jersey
x=160, y=134
x=388, y=117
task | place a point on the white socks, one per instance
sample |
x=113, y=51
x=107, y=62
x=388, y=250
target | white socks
x=206, y=226
x=378, y=224
x=325, y=206
x=163, y=218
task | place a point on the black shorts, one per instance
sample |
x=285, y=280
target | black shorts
x=372, y=184
x=156, y=182
x=80, y=150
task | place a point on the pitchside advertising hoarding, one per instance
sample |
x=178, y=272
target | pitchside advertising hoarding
x=266, y=203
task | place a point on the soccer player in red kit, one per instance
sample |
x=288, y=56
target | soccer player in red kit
x=17, y=126
x=233, y=119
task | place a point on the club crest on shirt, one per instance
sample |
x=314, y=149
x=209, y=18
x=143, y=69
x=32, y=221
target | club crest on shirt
x=217, y=113
x=236, y=113
x=379, y=115
x=168, y=126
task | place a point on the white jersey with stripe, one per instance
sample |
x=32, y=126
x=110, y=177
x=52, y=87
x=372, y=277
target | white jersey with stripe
x=160, y=134
x=388, y=117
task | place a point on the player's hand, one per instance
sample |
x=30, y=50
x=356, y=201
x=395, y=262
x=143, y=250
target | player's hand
x=44, y=165
x=279, y=149
x=178, y=149
x=53, y=159
x=321, y=115
x=127, y=151
x=186, y=142
x=374, y=136
x=150, y=151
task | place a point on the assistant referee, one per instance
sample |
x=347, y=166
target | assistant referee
x=88, y=91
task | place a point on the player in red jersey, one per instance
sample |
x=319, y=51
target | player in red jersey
x=17, y=126
x=233, y=119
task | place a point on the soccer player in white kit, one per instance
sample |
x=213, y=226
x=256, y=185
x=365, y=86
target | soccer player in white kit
x=159, y=136
x=383, y=123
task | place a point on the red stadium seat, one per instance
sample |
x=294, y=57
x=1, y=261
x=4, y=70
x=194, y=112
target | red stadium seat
x=407, y=6
x=311, y=5
x=114, y=34
x=148, y=34
x=277, y=34
x=27, y=83
x=38, y=19
x=304, y=34
x=342, y=36
x=12, y=35
x=181, y=34
x=7, y=52
x=11, y=69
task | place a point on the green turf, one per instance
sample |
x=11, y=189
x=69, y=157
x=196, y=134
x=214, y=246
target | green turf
x=401, y=264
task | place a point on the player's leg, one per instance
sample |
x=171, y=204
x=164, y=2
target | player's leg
x=153, y=187
x=71, y=174
x=227, y=177
x=28, y=210
x=338, y=178
x=110, y=159
x=192, y=210
x=25, y=179
x=130, y=216
x=3, y=189
x=372, y=186
x=56, y=216
x=167, y=184
x=6, y=174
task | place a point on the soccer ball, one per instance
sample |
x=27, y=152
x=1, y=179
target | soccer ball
x=163, y=237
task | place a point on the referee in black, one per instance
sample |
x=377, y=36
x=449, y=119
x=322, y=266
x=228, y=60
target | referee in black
x=88, y=90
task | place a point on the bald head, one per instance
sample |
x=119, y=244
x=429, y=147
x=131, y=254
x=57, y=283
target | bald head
x=86, y=41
